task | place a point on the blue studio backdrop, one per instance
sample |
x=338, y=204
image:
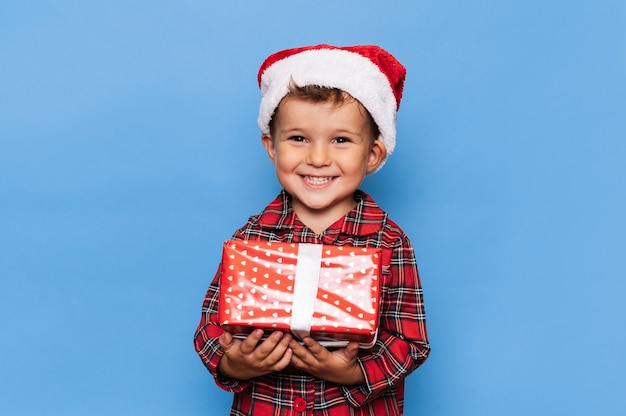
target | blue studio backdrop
x=129, y=151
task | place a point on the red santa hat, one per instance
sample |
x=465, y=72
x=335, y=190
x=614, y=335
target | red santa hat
x=368, y=73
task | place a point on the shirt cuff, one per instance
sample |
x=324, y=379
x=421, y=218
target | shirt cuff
x=358, y=395
x=229, y=384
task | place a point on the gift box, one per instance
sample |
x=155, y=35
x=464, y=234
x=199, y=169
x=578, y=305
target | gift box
x=330, y=293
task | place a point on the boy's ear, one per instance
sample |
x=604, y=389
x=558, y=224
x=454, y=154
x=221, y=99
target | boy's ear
x=268, y=143
x=378, y=153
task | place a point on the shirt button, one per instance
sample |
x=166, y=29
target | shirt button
x=299, y=404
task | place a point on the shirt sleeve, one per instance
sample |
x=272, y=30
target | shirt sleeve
x=206, y=338
x=402, y=343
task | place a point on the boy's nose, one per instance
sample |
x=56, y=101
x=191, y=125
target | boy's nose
x=319, y=155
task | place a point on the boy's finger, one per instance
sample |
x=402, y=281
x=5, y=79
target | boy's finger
x=284, y=361
x=314, y=347
x=269, y=345
x=351, y=351
x=298, y=349
x=225, y=340
x=297, y=361
x=277, y=354
x=251, y=341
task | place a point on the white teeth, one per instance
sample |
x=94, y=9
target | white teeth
x=314, y=180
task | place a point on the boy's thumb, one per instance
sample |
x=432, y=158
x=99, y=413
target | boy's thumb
x=352, y=349
x=225, y=340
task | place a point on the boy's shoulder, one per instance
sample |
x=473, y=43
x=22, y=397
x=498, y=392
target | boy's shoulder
x=372, y=214
x=276, y=215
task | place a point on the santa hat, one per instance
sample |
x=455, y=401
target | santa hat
x=368, y=73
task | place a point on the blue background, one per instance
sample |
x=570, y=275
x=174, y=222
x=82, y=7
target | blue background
x=129, y=151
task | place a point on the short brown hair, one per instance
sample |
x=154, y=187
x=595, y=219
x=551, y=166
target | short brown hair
x=318, y=94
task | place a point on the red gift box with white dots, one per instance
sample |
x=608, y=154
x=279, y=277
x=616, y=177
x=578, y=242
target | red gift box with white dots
x=328, y=292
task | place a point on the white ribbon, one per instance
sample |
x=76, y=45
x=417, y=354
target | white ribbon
x=305, y=288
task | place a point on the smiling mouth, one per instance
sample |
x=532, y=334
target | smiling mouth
x=317, y=180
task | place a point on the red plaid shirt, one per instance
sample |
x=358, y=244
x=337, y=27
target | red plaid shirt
x=402, y=343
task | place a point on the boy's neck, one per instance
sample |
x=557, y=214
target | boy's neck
x=320, y=220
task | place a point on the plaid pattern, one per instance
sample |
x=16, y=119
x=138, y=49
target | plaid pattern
x=402, y=343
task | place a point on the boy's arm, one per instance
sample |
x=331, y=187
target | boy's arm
x=402, y=343
x=206, y=339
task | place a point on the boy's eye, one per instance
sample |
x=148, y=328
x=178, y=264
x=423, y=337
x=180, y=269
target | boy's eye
x=297, y=138
x=342, y=140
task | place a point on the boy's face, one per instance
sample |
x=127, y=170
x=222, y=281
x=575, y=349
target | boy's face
x=322, y=151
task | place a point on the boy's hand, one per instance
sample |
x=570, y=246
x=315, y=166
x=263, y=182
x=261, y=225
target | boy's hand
x=339, y=366
x=247, y=359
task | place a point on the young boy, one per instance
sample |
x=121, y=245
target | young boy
x=327, y=117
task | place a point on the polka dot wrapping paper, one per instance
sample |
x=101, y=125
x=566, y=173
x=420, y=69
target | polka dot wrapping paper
x=331, y=293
